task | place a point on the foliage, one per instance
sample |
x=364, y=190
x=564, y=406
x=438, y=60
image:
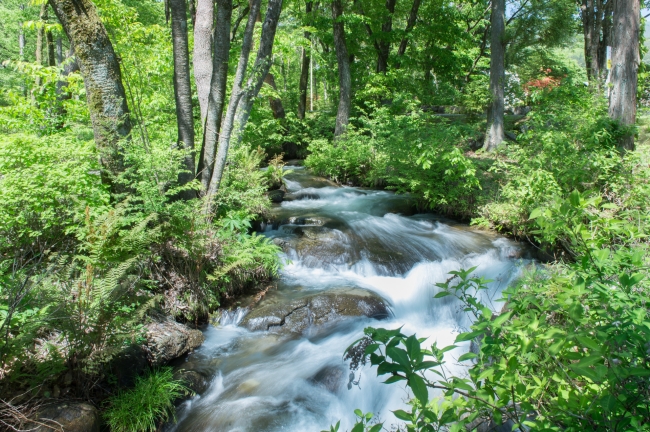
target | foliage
x=147, y=405
x=569, y=349
x=406, y=150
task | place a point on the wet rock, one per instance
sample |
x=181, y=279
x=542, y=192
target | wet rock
x=126, y=366
x=192, y=379
x=330, y=378
x=315, y=310
x=276, y=195
x=67, y=416
x=167, y=340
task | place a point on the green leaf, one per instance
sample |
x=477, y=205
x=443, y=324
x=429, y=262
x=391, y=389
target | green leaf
x=536, y=213
x=394, y=379
x=467, y=356
x=442, y=294
x=402, y=415
x=419, y=388
x=400, y=356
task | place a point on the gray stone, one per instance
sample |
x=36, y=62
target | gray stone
x=167, y=340
x=276, y=196
x=315, y=310
x=66, y=416
x=192, y=380
x=330, y=378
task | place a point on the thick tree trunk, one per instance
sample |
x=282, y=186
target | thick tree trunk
x=625, y=65
x=235, y=96
x=384, y=42
x=203, y=53
x=261, y=67
x=100, y=69
x=345, y=78
x=275, y=103
x=304, y=71
x=410, y=23
x=183, y=90
x=495, y=127
x=217, y=95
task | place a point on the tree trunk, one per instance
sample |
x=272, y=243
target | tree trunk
x=100, y=69
x=384, y=42
x=606, y=39
x=69, y=66
x=203, y=53
x=304, y=71
x=591, y=38
x=40, y=37
x=345, y=78
x=183, y=91
x=410, y=23
x=217, y=95
x=228, y=122
x=59, y=50
x=625, y=65
x=261, y=67
x=495, y=127
x=275, y=103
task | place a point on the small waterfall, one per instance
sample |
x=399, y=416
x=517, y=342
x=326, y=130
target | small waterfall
x=232, y=318
x=333, y=238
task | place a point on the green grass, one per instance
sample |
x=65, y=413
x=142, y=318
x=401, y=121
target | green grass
x=149, y=403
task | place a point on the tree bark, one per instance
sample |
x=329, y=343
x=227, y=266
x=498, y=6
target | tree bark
x=384, y=42
x=345, y=78
x=40, y=37
x=261, y=66
x=217, y=95
x=228, y=122
x=304, y=71
x=100, y=69
x=183, y=91
x=606, y=39
x=203, y=53
x=625, y=65
x=495, y=127
x=410, y=23
x=275, y=103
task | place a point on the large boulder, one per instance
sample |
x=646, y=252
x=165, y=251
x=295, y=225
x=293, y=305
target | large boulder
x=315, y=310
x=167, y=340
x=66, y=416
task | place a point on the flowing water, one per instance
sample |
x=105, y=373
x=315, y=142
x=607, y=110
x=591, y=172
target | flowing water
x=338, y=237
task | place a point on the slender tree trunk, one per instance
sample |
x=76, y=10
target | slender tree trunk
x=203, y=53
x=606, y=39
x=183, y=91
x=40, y=35
x=21, y=41
x=304, y=71
x=70, y=65
x=495, y=127
x=261, y=67
x=410, y=23
x=100, y=69
x=345, y=78
x=275, y=103
x=625, y=65
x=217, y=95
x=591, y=31
x=49, y=42
x=229, y=120
x=59, y=50
x=384, y=42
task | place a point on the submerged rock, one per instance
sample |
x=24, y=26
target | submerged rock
x=315, y=310
x=276, y=195
x=167, y=340
x=192, y=379
x=330, y=378
x=67, y=416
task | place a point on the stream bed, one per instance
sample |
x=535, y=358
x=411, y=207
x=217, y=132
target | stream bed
x=353, y=258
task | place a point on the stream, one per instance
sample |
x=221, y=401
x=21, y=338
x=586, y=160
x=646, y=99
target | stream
x=345, y=243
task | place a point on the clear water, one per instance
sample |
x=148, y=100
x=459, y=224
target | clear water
x=265, y=382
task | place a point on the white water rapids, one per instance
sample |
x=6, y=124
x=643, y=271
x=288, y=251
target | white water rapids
x=260, y=381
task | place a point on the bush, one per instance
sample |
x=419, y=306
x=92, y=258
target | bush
x=147, y=405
